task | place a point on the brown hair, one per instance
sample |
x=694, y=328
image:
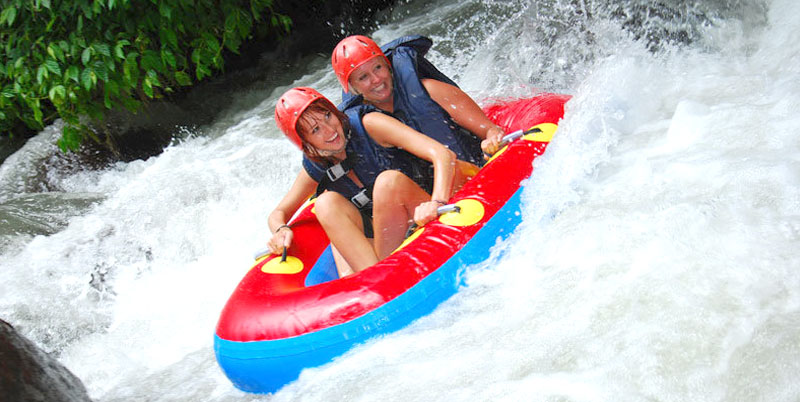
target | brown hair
x=304, y=125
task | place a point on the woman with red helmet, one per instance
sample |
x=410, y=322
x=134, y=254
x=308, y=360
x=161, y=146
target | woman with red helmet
x=399, y=80
x=358, y=151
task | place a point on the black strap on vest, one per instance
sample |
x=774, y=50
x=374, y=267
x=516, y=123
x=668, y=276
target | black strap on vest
x=363, y=198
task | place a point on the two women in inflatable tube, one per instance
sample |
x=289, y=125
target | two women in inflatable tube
x=403, y=150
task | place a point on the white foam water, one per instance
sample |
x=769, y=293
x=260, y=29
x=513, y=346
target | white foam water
x=657, y=258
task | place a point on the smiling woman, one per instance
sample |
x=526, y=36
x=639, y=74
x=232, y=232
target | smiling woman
x=399, y=80
x=365, y=159
x=324, y=130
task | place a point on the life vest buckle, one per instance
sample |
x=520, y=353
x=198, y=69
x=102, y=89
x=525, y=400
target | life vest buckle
x=336, y=172
x=361, y=199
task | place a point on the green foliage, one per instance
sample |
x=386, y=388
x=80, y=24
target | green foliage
x=75, y=59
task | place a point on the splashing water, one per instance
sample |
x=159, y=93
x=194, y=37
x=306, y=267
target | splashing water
x=657, y=258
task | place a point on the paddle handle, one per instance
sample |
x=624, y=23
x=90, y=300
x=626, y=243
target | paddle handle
x=511, y=137
x=264, y=252
x=439, y=211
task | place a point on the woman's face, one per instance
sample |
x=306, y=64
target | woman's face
x=322, y=130
x=373, y=79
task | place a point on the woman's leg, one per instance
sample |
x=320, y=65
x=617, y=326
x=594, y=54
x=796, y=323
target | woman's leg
x=342, y=223
x=394, y=198
x=342, y=267
x=464, y=172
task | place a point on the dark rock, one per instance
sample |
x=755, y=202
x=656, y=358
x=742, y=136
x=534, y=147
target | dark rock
x=29, y=374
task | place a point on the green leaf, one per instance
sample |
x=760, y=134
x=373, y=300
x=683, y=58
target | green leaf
x=73, y=95
x=182, y=78
x=50, y=23
x=53, y=66
x=212, y=43
x=8, y=15
x=71, y=138
x=57, y=94
x=41, y=74
x=131, y=70
x=165, y=10
x=151, y=60
x=8, y=92
x=170, y=37
x=202, y=71
x=37, y=113
x=112, y=87
x=286, y=22
x=88, y=78
x=102, y=48
x=147, y=87
x=168, y=58
x=86, y=55
x=73, y=74
x=100, y=70
x=231, y=22
x=153, y=77
x=118, y=52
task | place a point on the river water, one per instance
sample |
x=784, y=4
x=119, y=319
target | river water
x=657, y=259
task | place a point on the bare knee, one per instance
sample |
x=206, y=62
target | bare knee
x=389, y=183
x=328, y=205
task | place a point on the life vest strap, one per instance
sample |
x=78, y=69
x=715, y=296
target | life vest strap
x=361, y=199
x=336, y=172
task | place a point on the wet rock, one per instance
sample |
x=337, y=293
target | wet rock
x=29, y=374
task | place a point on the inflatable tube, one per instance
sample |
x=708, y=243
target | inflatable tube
x=287, y=316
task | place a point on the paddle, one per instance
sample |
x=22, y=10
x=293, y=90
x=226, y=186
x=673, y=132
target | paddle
x=263, y=252
x=439, y=211
x=509, y=138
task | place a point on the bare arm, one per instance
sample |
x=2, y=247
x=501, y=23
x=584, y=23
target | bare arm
x=465, y=112
x=303, y=187
x=390, y=132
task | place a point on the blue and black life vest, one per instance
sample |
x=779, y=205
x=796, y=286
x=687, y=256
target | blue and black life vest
x=366, y=158
x=412, y=103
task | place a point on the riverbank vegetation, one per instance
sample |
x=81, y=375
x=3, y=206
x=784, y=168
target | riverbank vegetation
x=76, y=59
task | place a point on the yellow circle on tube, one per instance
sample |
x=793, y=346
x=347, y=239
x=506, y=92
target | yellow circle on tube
x=292, y=265
x=547, y=130
x=470, y=213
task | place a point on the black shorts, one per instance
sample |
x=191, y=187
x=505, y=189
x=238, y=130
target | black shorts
x=366, y=221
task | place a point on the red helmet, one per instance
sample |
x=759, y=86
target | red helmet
x=289, y=108
x=352, y=52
